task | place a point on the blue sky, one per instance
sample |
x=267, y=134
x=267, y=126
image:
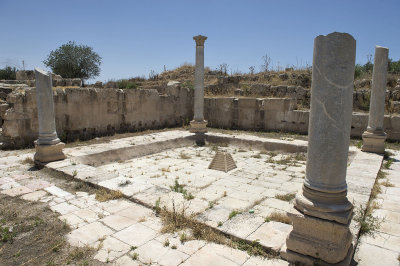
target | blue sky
x=135, y=37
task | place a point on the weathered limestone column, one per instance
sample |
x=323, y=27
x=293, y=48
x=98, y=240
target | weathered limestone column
x=374, y=138
x=198, y=124
x=48, y=145
x=323, y=212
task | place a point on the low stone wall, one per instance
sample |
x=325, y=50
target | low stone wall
x=361, y=98
x=269, y=114
x=87, y=113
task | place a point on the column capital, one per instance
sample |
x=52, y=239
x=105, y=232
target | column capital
x=200, y=39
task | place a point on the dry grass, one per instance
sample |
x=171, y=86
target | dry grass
x=105, y=195
x=28, y=160
x=381, y=174
x=286, y=197
x=184, y=156
x=176, y=221
x=376, y=189
x=79, y=253
x=386, y=183
x=278, y=217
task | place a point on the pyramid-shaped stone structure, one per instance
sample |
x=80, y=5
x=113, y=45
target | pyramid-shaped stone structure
x=222, y=161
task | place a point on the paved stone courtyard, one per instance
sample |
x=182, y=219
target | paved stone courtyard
x=241, y=203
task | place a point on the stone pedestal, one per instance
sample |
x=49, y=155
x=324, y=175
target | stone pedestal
x=198, y=125
x=48, y=145
x=321, y=226
x=199, y=128
x=318, y=238
x=49, y=153
x=374, y=138
x=374, y=142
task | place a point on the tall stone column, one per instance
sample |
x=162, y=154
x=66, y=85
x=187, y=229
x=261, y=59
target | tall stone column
x=198, y=124
x=374, y=138
x=323, y=212
x=48, y=145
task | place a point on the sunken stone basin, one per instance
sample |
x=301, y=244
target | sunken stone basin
x=167, y=169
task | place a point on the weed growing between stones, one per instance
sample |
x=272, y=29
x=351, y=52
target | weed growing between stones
x=234, y=213
x=157, y=207
x=368, y=223
x=388, y=163
x=180, y=189
x=166, y=243
x=387, y=154
x=176, y=221
x=359, y=144
x=135, y=256
x=254, y=248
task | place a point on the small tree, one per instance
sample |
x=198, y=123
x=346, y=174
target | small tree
x=266, y=63
x=252, y=68
x=74, y=61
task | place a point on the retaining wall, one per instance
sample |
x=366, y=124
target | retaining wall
x=269, y=114
x=86, y=113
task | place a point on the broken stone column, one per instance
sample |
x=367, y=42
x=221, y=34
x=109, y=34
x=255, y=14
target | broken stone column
x=322, y=211
x=48, y=145
x=198, y=124
x=374, y=138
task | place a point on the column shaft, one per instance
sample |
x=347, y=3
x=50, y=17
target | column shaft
x=48, y=146
x=331, y=112
x=374, y=137
x=199, y=85
x=378, y=90
x=45, y=105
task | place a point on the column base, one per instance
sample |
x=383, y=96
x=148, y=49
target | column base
x=315, y=240
x=374, y=142
x=328, y=206
x=198, y=126
x=49, y=153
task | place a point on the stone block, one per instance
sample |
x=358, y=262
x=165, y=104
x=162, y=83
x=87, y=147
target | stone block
x=318, y=238
x=49, y=153
x=374, y=142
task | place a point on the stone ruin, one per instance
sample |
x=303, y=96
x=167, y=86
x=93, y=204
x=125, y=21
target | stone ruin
x=322, y=212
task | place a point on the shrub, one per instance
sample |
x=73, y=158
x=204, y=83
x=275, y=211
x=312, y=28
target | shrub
x=126, y=84
x=8, y=73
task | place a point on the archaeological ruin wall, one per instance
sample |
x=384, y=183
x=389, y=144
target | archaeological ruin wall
x=278, y=114
x=86, y=113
